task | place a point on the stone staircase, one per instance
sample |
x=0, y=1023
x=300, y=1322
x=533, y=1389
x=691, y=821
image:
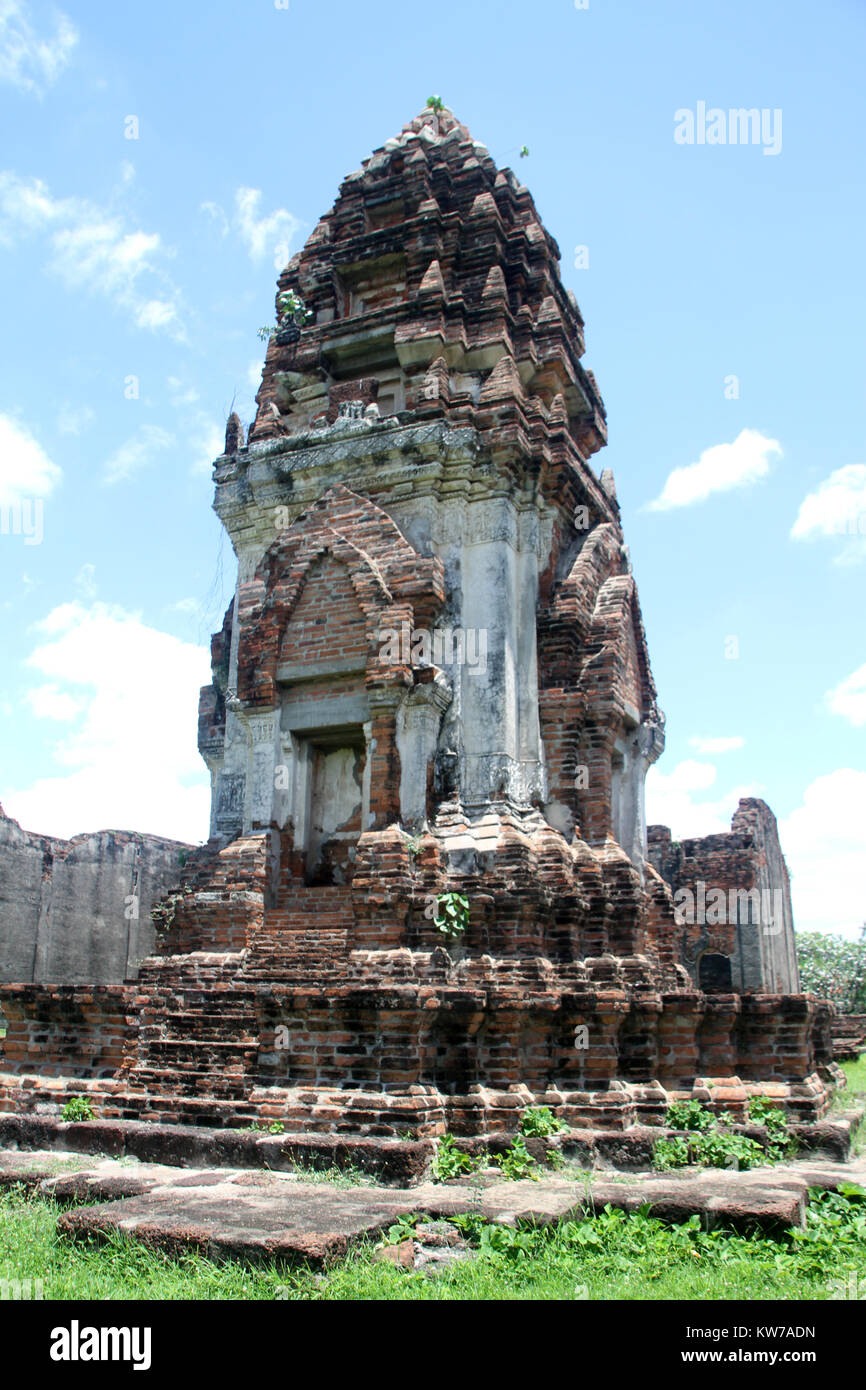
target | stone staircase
x=305, y=939
x=197, y=1049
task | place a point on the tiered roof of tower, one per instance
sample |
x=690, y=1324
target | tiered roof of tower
x=432, y=288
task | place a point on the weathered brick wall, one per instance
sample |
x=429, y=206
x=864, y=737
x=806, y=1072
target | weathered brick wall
x=734, y=896
x=78, y=911
x=65, y=1030
x=327, y=623
x=221, y=902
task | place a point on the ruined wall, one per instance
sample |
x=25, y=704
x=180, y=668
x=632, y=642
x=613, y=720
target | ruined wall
x=78, y=911
x=733, y=900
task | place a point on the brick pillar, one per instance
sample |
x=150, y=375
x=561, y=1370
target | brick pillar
x=678, y=1038
x=716, y=1037
x=594, y=1067
x=382, y=756
x=776, y=1038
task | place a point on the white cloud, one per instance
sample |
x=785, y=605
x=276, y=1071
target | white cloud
x=26, y=471
x=136, y=453
x=837, y=508
x=272, y=232
x=186, y=605
x=90, y=248
x=122, y=766
x=848, y=698
x=85, y=581
x=156, y=313
x=254, y=374
x=48, y=702
x=671, y=800
x=211, y=443
x=73, y=419
x=217, y=214
x=711, y=746
x=719, y=469
x=180, y=393
x=824, y=843
x=27, y=61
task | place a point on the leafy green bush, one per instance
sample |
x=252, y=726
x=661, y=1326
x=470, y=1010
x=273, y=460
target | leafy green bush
x=517, y=1162
x=538, y=1121
x=689, y=1114
x=290, y=310
x=451, y=1161
x=764, y=1111
x=613, y=1240
x=78, y=1108
x=402, y=1229
x=711, y=1143
x=452, y=917
x=834, y=969
x=671, y=1153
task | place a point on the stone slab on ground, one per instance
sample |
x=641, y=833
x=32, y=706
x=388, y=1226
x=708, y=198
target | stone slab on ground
x=263, y=1215
x=315, y=1223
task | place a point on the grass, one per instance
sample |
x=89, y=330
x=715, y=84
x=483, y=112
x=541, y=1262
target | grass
x=346, y=1176
x=856, y=1074
x=610, y=1256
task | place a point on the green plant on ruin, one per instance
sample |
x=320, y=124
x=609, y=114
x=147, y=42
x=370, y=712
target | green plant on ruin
x=402, y=1229
x=452, y=917
x=711, y=1141
x=537, y=1121
x=517, y=1162
x=782, y=1143
x=671, y=1153
x=291, y=309
x=689, y=1114
x=524, y=151
x=451, y=1161
x=78, y=1108
x=436, y=103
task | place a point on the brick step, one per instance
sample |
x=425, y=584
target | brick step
x=204, y=1004
x=178, y=1051
x=317, y=952
x=206, y=1008
x=185, y=972
x=185, y=1110
x=181, y=1081
x=305, y=921
x=180, y=1027
x=297, y=945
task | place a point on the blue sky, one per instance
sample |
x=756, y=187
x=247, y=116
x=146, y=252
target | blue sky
x=134, y=273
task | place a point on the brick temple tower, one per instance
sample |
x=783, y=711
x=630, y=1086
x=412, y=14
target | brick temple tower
x=433, y=679
x=435, y=624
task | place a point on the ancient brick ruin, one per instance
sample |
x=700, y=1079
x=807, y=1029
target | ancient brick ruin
x=734, y=899
x=433, y=679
